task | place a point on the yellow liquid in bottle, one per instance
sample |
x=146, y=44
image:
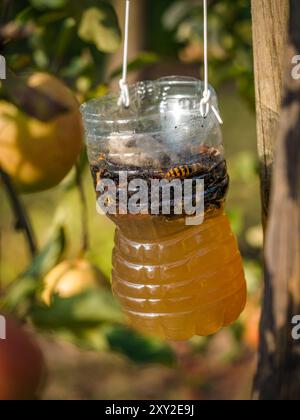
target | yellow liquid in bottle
x=176, y=281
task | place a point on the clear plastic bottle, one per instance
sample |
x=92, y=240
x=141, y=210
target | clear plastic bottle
x=173, y=280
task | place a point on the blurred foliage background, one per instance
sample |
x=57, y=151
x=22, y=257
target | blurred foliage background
x=80, y=43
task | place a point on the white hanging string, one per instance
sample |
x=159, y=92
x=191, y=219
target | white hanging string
x=124, y=97
x=205, y=103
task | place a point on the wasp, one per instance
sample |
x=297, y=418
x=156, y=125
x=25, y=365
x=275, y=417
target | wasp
x=191, y=169
x=101, y=157
x=184, y=171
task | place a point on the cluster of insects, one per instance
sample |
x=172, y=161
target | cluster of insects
x=208, y=165
x=196, y=166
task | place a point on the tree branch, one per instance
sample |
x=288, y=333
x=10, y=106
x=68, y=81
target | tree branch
x=84, y=211
x=22, y=220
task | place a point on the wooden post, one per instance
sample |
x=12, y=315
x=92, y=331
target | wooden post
x=269, y=39
x=278, y=375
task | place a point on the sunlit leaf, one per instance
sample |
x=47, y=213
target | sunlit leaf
x=85, y=310
x=49, y=256
x=236, y=218
x=245, y=166
x=254, y=275
x=175, y=13
x=98, y=91
x=86, y=338
x=99, y=25
x=255, y=236
x=19, y=296
x=70, y=181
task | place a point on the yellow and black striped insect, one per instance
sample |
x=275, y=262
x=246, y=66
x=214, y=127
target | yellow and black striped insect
x=184, y=171
x=101, y=157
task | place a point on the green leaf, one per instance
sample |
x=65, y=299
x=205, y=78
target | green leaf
x=20, y=295
x=254, y=275
x=245, y=166
x=93, y=320
x=86, y=310
x=25, y=15
x=139, y=348
x=123, y=340
x=50, y=18
x=99, y=26
x=49, y=4
x=87, y=338
x=144, y=59
x=236, y=218
x=49, y=256
x=175, y=14
x=70, y=181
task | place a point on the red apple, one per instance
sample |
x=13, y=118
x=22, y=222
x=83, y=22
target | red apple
x=22, y=366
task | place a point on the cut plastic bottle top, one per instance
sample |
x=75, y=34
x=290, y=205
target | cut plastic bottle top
x=162, y=124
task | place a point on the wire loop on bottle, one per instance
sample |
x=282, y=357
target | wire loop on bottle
x=124, y=96
x=205, y=103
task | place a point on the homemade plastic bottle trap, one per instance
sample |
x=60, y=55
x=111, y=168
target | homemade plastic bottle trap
x=173, y=279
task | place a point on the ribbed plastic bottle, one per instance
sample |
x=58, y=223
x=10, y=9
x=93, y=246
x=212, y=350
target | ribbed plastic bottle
x=173, y=280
